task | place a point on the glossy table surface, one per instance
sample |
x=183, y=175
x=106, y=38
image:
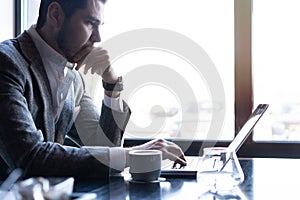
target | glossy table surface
x=265, y=178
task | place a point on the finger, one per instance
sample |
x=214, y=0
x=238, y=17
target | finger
x=98, y=64
x=103, y=65
x=175, y=149
x=183, y=158
x=176, y=159
x=93, y=69
x=180, y=161
x=77, y=67
x=86, y=68
x=100, y=67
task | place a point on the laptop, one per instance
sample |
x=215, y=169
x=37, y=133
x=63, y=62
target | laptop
x=193, y=162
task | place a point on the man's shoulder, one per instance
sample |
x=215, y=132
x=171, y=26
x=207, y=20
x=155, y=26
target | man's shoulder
x=7, y=45
x=11, y=50
x=8, y=51
x=13, y=45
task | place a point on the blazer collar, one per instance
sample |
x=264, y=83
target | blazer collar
x=32, y=55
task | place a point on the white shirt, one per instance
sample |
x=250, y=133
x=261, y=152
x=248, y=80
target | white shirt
x=61, y=74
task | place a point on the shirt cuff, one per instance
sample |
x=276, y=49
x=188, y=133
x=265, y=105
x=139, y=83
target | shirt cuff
x=117, y=157
x=113, y=103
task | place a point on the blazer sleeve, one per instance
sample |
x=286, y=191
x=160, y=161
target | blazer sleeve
x=95, y=127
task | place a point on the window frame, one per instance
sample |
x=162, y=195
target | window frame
x=243, y=91
x=18, y=16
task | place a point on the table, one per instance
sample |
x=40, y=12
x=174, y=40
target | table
x=265, y=178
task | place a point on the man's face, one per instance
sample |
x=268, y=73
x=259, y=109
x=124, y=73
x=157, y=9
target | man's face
x=80, y=31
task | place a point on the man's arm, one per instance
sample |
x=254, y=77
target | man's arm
x=114, y=123
x=23, y=141
x=93, y=128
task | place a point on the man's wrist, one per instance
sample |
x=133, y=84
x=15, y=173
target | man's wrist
x=112, y=94
x=117, y=86
x=113, y=90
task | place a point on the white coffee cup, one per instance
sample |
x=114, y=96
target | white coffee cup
x=145, y=165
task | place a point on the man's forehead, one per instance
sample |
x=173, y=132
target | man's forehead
x=94, y=10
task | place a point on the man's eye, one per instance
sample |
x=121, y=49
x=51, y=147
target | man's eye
x=90, y=23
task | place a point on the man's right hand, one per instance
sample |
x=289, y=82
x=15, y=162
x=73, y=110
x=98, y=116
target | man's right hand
x=97, y=61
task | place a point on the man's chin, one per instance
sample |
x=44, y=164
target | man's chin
x=74, y=58
x=80, y=55
x=71, y=59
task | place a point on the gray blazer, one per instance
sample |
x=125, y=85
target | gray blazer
x=29, y=136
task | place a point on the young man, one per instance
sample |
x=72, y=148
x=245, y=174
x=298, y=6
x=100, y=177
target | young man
x=42, y=98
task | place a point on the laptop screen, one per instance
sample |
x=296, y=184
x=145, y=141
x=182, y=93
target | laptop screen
x=194, y=162
x=248, y=127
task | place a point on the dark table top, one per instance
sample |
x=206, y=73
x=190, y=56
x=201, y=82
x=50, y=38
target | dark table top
x=265, y=178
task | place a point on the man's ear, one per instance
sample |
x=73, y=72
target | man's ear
x=55, y=15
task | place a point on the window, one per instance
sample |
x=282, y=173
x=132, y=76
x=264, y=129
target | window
x=276, y=67
x=174, y=99
x=188, y=109
x=257, y=66
x=29, y=13
x=6, y=20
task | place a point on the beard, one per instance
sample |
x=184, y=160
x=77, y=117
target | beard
x=70, y=52
x=64, y=45
x=73, y=47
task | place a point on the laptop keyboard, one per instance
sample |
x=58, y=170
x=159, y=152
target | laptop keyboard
x=192, y=163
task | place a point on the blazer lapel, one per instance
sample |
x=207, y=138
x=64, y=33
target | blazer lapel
x=65, y=121
x=32, y=55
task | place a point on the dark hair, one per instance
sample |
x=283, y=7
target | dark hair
x=68, y=6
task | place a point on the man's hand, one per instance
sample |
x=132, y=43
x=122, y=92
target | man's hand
x=169, y=150
x=97, y=61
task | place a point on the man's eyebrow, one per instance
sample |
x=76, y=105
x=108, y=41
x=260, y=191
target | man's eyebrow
x=94, y=20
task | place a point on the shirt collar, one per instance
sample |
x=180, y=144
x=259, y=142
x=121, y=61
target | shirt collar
x=48, y=54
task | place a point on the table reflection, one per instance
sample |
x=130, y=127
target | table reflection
x=265, y=178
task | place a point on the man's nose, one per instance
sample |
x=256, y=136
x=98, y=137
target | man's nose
x=95, y=37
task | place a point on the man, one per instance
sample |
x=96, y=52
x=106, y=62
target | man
x=42, y=98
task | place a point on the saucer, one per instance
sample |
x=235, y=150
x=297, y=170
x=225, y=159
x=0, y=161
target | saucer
x=160, y=179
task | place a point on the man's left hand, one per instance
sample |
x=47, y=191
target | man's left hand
x=169, y=150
